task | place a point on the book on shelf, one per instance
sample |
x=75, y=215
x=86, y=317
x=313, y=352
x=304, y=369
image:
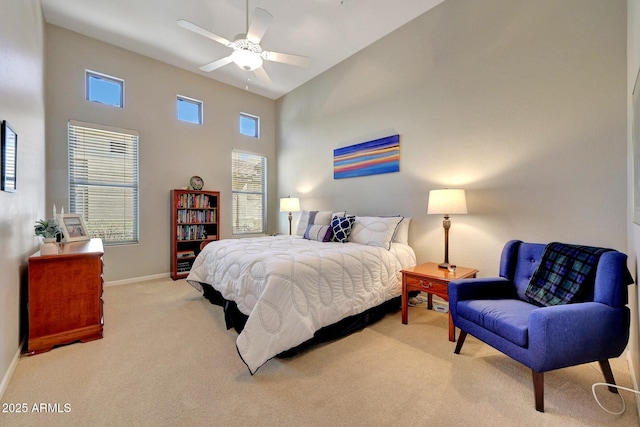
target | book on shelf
x=193, y=201
x=191, y=232
x=185, y=254
x=187, y=216
x=183, y=266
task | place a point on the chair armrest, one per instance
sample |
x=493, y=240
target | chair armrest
x=481, y=288
x=570, y=334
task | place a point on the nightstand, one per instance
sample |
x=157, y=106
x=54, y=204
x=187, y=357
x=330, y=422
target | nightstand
x=429, y=278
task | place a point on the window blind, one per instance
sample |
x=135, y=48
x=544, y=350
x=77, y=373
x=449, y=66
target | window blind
x=103, y=181
x=248, y=181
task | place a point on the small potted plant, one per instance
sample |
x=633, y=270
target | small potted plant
x=49, y=229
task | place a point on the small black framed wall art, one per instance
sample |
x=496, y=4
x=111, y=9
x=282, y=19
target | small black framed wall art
x=9, y=157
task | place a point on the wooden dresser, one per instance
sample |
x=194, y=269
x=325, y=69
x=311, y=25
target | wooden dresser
x=65, y=296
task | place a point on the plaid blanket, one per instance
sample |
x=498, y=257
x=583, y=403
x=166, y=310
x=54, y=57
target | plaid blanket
x=564, y=275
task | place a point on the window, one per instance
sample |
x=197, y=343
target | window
x=250, y=125
x=249, y=184
x=103, y=181
x=104, y=89
x=189, y=110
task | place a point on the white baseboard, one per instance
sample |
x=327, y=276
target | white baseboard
x=7, y=376
x=136, y=279
x=634, y=381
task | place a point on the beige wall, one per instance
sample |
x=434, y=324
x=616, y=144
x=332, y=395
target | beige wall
x=633, y=65
x=521, y=103
x=170, y=151
x=22, y=105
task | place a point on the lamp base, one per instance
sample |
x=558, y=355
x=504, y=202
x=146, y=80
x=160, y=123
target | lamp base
x=444, y=265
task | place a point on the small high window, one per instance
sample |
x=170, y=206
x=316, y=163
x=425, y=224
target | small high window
x=189, y=110
x=104, y=89
x=250, y=125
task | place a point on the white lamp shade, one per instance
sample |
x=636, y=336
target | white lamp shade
x=289, y=204
x=447, y=201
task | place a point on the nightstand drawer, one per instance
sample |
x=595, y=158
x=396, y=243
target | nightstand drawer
x=427, y=285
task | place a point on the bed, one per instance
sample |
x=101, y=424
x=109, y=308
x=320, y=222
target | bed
x=284, y=290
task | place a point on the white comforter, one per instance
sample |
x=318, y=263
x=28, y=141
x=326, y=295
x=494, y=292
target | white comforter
x=290, y=287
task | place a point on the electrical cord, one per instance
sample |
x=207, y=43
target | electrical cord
x=593, y=390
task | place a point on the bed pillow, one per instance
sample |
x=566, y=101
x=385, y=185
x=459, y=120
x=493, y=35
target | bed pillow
x=320, y=233
x=312, y=218
x=341, y=226
x=402, y=232
x=375, y=230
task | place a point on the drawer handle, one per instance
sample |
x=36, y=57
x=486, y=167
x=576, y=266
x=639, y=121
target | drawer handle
x=425, y=285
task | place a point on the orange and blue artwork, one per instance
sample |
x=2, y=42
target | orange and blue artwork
x=367, y=158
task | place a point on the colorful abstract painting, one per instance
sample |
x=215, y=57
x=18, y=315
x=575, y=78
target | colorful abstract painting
x=368, y=158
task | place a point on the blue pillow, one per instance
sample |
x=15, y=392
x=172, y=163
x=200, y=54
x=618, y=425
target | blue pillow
x=341, y=227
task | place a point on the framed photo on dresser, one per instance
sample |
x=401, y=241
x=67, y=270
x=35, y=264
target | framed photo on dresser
x=73, y=228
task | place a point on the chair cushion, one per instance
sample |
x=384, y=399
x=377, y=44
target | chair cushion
x=526, y=263
x=508, y=318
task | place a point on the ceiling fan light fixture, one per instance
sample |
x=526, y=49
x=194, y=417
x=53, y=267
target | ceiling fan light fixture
x=246, y=59
x=247, y=52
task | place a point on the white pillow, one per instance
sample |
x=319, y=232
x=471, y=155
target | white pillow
x=374, y=230
x=323, y=218
x=402, y=232
x=312, y=217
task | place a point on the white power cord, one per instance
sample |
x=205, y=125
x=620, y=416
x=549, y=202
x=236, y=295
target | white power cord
x=593, y=390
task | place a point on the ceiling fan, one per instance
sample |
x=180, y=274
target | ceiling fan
x=247, y=52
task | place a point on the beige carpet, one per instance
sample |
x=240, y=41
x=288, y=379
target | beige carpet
x=167, y=360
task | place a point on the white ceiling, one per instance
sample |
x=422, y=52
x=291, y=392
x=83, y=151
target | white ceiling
x=327, y=31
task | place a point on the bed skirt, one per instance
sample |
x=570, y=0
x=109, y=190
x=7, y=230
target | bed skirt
x=235, y=319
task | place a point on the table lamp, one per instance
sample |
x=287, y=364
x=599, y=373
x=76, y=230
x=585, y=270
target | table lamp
x=289, y=204
x=446, y=202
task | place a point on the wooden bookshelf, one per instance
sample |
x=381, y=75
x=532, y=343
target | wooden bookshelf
x=194, y=221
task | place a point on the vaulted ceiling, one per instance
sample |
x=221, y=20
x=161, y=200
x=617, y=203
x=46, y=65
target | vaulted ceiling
x=326, y=31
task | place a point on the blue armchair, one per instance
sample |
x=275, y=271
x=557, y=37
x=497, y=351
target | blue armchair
x=499, y=312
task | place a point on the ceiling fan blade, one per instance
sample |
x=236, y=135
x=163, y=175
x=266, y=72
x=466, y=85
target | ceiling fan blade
x=199, y=30
x=259, y=24
x=287, y=58
x=262, y=75
x=216, y=64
